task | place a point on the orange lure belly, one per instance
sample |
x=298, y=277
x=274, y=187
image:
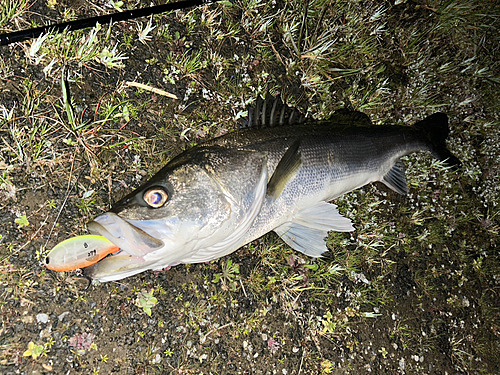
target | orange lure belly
x=79, y=252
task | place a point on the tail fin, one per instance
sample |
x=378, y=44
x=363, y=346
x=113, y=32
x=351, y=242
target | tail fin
x=436, y=130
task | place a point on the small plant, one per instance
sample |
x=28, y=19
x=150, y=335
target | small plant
x=86, y=202
x=34, y=351
x=384, y=352
x=50, y=342
x=230, y=273
x=69, y=142
x=188, y=63
x=141, y=335
x=35, y=47
x=146, y=301
x=21, y=222
x=117, y=5
x=327, y=367
x=144, y=32
x=111, y=58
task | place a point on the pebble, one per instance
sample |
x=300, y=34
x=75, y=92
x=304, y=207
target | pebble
x=42, y=318
x=62, y=316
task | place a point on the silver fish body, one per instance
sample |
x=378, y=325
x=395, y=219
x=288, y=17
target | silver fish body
x=233, y=189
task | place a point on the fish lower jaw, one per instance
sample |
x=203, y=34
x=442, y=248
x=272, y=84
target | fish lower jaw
x=107, y=272
x=124, y=264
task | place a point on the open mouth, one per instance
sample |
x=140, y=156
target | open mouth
x=116, y=248
x=125, y=235
x=134, y=244
x=113, y=240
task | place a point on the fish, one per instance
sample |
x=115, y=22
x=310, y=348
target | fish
x=278, y=173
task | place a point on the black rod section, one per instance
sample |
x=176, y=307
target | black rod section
x=19, y=36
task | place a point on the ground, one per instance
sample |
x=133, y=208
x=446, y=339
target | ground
x=414, y=290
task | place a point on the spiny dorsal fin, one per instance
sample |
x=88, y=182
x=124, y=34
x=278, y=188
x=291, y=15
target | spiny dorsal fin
x=271, y=112
x=285, y=170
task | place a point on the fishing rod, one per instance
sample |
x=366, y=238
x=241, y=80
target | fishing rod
x=19, y=36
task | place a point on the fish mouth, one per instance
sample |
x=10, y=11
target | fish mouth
x=128, y=237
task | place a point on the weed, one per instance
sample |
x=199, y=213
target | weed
x=10, y=10
x=34, y=350
x=146, y=301
x=229, y=275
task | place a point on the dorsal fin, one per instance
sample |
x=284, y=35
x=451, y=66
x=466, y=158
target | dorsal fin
x=270, y=112
x=349, y=117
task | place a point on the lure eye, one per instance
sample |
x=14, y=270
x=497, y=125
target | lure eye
x=155, y=197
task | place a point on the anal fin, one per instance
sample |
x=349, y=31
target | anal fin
x=395, y=179
x=307, y=230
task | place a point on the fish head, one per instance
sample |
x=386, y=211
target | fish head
x=183, y=206
x=199, y=203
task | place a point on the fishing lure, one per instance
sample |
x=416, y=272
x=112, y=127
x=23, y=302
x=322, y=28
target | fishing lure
x=79, y=252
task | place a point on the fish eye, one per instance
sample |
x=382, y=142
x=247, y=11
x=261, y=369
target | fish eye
x=155, y=197
x=47, y=260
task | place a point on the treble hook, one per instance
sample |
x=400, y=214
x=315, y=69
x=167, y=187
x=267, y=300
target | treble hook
x=79, y=273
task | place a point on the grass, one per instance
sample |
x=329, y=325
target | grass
x=12, y=10
x=413, y=290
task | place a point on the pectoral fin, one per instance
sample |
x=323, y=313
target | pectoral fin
x=285, y=171
x=307, y=230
